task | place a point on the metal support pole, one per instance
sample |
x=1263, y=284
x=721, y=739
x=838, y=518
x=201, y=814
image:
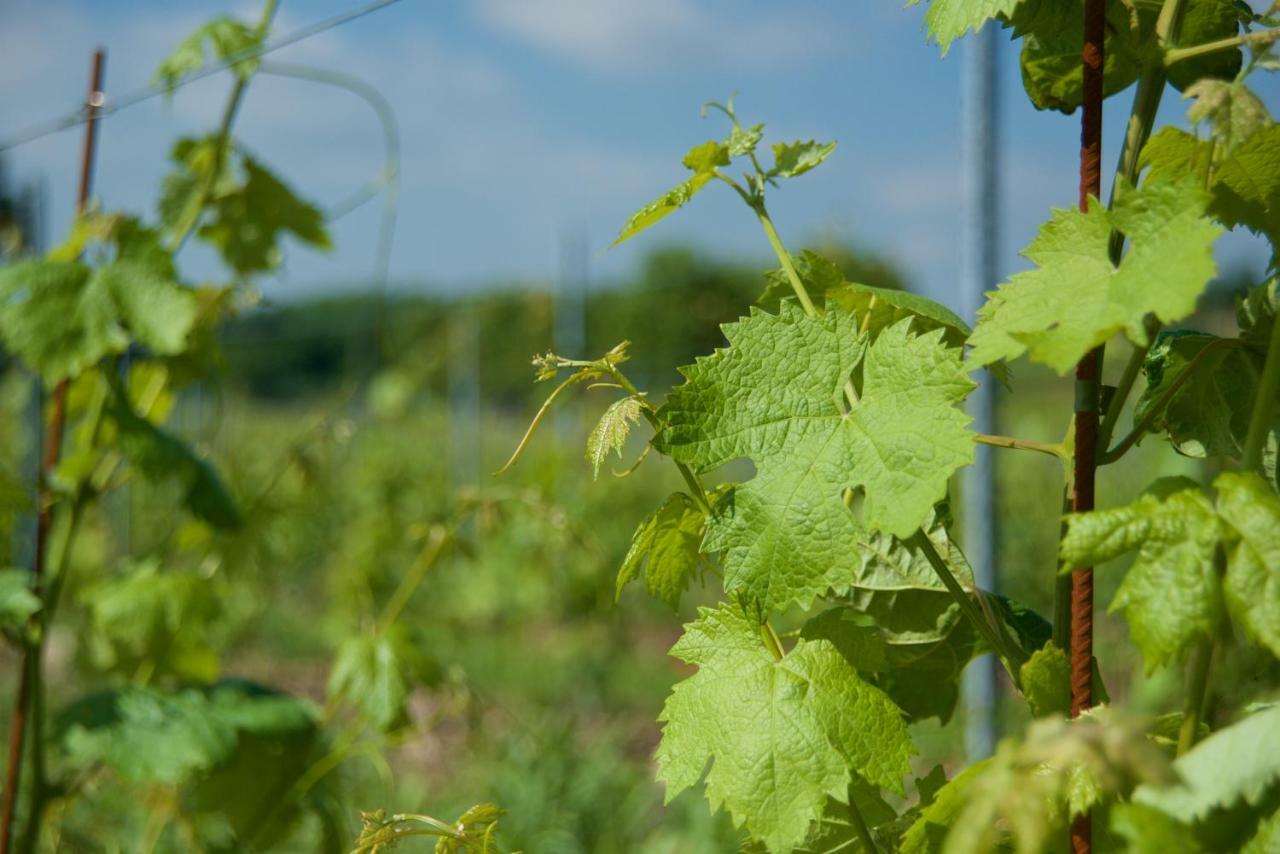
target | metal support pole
x=979, y=273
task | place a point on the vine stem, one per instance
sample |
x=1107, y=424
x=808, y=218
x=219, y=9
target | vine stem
x=30, y=696
x=1260, y=39
x=1264, y=403
x=1052, y=449
x=223, y=141
x=1197, y=689
x=860, y=826
x=1010, y=655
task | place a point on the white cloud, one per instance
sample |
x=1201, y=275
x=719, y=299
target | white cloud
x=624, y=36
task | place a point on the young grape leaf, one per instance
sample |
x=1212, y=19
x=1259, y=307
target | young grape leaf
x=226, y=37
x=1252, y=581
x=159, y=455
x=1246, y=186
x=611, y=431
x=1208, y=414
x=18, y=602
x=1171, y=596
x=782, y=735
x=1075, y=299
x=1245, y=181
x=664, y=550
x=743, y=141
x=774, y=396
x=370, y=672
x=796, y=158
x=247, y=223
x=703, y=160
x=948, y=20
x=1239, y=764
x=1231, y=109
x=1045, y=681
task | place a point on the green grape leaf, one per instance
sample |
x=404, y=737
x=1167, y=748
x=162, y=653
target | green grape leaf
x=155, y=619
x=782, y=735
x=611, y=431
x=743, y=141
x=1252, y=580
x=1075, y=299
x=153, y=736
x=1053, y=33
x=664, y=550
x=836, y=831
x=1231, y=109
x=774, y=396
x=1238, y=764
x=225, y=36
x=57, y=317
x=927, y=640
x=1246, y=186
x=159, y=455
x=1206, y=21
x=703, y=160
x=247, y=223
x=1171, y=595
x=18, y=602
x=1175, y=591
x=1245, y=182
x=371, y=671
x=796, y=158
x=948, y=20
x=1045, y=681
x=1208, y=414
x=156, y=310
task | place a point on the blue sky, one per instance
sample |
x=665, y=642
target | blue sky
x=522, y=120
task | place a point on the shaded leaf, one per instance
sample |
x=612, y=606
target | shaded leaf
x=664, y=550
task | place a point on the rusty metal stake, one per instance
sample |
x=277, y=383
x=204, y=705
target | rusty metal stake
x=44, y=519
x=1087, y=389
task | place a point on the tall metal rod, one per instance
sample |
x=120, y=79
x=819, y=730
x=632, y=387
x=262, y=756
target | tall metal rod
x=31, y=659
x=980, y=235
x=1087, y=385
